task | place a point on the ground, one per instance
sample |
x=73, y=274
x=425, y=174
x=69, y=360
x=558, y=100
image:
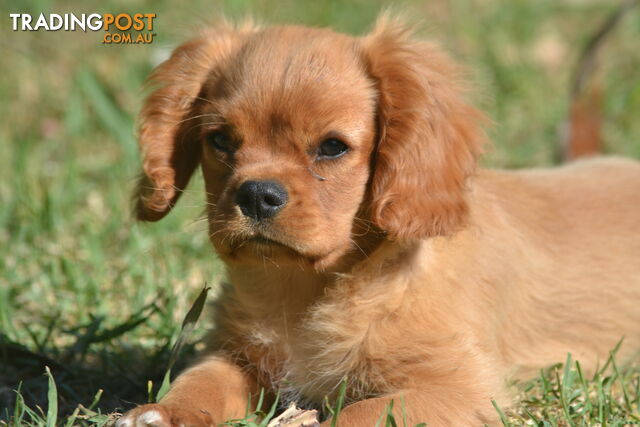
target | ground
x=99, y=299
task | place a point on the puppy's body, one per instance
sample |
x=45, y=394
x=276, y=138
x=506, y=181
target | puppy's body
x=392, y=264
x=530, y=278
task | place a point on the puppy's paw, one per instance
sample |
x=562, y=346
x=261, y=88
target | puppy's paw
x=156, y=415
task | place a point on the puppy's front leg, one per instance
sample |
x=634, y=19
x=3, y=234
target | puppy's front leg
x=208, y=393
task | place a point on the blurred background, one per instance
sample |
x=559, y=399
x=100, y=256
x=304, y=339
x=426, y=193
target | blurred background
x=98, y=298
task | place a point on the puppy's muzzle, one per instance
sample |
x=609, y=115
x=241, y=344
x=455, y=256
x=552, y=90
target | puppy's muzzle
x=261, y=200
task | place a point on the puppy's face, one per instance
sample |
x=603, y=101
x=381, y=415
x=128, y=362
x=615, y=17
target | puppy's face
x=287, y=129
x=300, y=131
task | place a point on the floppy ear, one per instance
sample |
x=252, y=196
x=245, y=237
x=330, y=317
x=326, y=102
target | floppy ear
x=167, y=126
x=429, y=138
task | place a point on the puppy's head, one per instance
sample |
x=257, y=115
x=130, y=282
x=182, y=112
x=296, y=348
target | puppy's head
x=302, y=132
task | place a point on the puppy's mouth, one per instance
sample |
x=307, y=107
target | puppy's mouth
x=259, y=247
x=262, y=245
x=260, y=240
x=257, y=244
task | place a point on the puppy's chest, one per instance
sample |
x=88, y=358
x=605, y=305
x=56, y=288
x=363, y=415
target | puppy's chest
x=269, y=339
x=305, y=357
x=286, y=358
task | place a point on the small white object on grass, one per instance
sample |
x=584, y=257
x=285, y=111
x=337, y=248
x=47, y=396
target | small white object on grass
x=295, y=417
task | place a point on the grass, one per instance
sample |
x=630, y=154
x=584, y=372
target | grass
x=563, y=396
x=99, y=299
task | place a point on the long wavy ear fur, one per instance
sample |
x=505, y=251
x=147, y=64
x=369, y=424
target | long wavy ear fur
x=167, y=138
x=429, y=138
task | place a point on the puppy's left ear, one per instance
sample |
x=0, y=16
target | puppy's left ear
x=168, y=134
x=429, y=138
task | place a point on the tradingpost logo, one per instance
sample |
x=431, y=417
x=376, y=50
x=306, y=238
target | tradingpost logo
x=123, y=28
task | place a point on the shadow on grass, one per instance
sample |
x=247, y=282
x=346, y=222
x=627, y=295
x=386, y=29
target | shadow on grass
x=94, y=362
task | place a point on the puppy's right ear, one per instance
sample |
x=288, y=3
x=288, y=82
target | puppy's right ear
x=429, y=136
x=168, y=134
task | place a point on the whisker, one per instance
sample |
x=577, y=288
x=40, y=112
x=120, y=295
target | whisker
x=271, y=260
x=195, y=117
x=232, y=168
x=199, y=125
x=361, y=250
x=205, y=100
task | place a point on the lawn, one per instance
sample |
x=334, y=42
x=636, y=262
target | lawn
x=99, y=298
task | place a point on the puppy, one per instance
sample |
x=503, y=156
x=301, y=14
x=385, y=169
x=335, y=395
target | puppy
x=361, y=242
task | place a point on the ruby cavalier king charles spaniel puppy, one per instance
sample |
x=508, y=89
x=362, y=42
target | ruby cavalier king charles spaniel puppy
x=361, y=242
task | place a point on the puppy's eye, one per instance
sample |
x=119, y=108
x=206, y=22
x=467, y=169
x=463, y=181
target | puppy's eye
x=220, y=141
x=332, y=148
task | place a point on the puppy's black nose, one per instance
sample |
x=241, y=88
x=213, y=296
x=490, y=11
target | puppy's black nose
x=261, y=199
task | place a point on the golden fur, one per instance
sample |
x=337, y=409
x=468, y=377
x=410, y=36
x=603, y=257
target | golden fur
x=398, y=265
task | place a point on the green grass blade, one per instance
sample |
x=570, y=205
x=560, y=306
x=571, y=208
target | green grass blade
x=533, y=418
x=585, y=389
x=565, y=389
x=260, y=401
x=19, y=408
x=339, y=402
x=188, y=324
x=390, y=421
x=620, y=378
x=52, y=398
x=271, y=412
x=72, y=418
x=150, y=398
x=404, y=412
x=96, y=399
x=165, y=386
x=382, y=418
x=612, y=354
x=503, y=417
